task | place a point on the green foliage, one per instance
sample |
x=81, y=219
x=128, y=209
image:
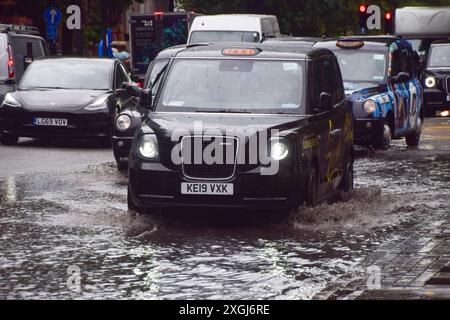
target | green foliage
x=304, y=17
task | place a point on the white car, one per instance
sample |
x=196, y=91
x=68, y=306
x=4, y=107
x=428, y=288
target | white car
x=233, y=28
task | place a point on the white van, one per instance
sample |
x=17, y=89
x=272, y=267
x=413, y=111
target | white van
x=422, y=26
x=233, y=28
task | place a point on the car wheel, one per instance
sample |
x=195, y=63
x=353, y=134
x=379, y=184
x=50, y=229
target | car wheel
x=9, y=140
x=413, y=139
x=383, y=141
x=106, y=142
x=347, y=184
x=312, y=190
x=122, y=166
x=131, y=205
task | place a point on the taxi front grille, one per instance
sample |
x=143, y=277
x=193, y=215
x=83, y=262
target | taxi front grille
x=209, y=157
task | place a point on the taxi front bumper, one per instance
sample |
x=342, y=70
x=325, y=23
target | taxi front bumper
x=366, y=130
x=152, y=185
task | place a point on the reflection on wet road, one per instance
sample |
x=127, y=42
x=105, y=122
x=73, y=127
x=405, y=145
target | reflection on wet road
x=69, y=235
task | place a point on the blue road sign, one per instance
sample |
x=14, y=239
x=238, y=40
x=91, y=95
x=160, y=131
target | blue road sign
x=51, y=32
x=52, y=16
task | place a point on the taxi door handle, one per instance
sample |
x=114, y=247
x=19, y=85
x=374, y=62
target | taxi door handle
x=336, y=132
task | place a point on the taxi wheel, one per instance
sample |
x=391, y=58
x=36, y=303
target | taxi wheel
x=413, y=139
x=9, y=140
x=384, y=138
x=122, y=166
x=107, y=142
x=347, y=185
x=131, y=205
x=312, y=189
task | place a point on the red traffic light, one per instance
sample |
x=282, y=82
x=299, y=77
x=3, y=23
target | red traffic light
x=362, y=8
x=388, y=16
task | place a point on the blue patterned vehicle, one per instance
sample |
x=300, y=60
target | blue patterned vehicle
x=382, y=83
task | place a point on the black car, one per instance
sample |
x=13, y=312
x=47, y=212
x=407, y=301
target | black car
x=19, y=46
x=244, y=126
x=129, y=120
x=65, y=97
x=436, y=80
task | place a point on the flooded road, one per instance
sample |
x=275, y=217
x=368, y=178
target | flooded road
x=69, y=235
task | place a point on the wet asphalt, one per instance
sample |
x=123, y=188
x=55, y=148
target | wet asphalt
x=65, y=231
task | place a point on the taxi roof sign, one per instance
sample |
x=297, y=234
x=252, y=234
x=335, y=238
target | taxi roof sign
x=240, y=51
x=350, y=44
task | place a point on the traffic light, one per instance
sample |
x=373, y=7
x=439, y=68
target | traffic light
x=389, y=22
x=362, y=11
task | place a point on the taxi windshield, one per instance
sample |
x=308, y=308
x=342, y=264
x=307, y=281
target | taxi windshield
x=234, y=85
x=439, y=56
x=362, y=66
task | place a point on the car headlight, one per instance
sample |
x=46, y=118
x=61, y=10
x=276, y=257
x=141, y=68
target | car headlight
x=123, y=122
x=148, y=147
x=430, y=82
x=9, y=100
x=279, y=150
x=98, y=104
x=369, y=106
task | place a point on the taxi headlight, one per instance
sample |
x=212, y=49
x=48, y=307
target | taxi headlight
x=148, y=147
x=430, y=82
x=98, y=104
x=369, y=106
x=279, y=150
x=123, y=122
x=10, y=101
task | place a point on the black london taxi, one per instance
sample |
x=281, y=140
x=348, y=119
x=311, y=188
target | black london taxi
x=436, y=80
x=382, y=83
x=131, y=116
x=244, y=126
x=65, y=98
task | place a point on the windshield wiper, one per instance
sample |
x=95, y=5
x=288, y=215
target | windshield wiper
x=222, y=111
x=47, y=88
x=158, y=76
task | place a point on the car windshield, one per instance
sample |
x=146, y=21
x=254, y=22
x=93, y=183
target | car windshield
x=362, y=66
x=68, y=74
x=223, y=36
x=233, y=85
x=439, y=56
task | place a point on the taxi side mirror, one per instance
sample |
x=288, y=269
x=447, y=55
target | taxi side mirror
x=133, y=89
x=325, y=102
x=10, y=82
x=145, y=99
x=401, y=77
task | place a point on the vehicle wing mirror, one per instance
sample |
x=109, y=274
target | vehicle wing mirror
x=325, y=102
x=10, y=82
x=423, y=63
x=133, y=89
x=145, y=99
x=401, y=77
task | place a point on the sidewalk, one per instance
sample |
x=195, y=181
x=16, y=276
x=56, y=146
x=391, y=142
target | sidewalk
x=415, y=267
x=415, y=263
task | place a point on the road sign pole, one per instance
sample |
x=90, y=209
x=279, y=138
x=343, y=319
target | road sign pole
x=105, y=19
x=52, y=18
